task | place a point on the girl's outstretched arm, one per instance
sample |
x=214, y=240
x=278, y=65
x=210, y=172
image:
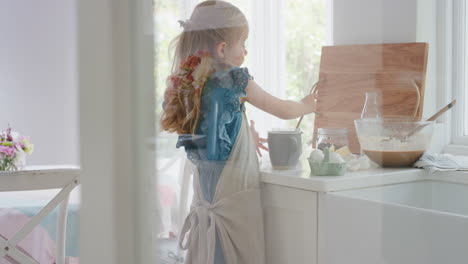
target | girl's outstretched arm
x=284, y=109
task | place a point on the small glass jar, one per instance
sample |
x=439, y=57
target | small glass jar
x=328, y=137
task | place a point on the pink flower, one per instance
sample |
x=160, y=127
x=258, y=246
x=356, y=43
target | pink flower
x=7, y=151
x=9, y=137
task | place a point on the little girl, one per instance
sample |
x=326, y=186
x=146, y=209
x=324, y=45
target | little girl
x=204, y=104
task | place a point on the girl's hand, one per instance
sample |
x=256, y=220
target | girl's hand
x=310, y=103
x=257, y=139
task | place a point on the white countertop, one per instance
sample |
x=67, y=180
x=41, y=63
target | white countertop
x=301, y=179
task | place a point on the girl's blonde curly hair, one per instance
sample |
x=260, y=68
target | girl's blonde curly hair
x=211, y=23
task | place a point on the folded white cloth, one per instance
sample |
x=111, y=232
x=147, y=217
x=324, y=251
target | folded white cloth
x=433, y=162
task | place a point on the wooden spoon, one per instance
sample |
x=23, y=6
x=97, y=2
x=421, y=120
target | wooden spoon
x=432, y=118
x=312, y=90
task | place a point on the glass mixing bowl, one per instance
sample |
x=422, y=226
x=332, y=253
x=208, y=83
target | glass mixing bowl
x=394, y=142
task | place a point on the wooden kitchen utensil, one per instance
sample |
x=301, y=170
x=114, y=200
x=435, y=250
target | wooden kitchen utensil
x=396, y=71
x=312, y=90
x=441, y=111
x=432, y=118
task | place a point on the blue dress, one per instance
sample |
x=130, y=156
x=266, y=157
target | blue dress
x=217, y=130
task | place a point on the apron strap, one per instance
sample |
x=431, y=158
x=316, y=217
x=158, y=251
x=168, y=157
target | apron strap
x=200, y=225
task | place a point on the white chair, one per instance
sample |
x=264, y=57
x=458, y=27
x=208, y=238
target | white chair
x=39, y=178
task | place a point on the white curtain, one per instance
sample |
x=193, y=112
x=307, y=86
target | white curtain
x=267, y=46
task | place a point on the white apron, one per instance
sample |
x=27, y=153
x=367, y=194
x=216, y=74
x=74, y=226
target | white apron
x=235, y=213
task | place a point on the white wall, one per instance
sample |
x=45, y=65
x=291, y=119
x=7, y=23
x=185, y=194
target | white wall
x=116, y=89
x=38, y=89
x=427, y=32
x=374, y=21
x=96, y=131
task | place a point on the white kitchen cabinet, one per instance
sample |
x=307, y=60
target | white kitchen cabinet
x=290, y=217
x=311, y=220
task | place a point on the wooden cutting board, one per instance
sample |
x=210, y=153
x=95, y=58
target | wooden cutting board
x=348, y=72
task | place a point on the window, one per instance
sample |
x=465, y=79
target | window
x=464, y=90
x=460, y=73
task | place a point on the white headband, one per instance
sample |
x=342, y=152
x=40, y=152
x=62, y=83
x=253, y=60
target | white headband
x=212, y=17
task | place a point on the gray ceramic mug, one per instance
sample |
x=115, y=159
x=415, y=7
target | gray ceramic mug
x=285, y=148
